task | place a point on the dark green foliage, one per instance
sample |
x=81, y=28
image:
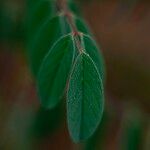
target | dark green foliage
x=72, y=5
x=96, y=142
x=63, y=54
x=48, y=34
x=54, y=72
x=85, y=99
x=94, y=52
x=40, y=11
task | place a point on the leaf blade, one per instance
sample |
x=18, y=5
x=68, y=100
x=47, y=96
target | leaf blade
x=50, y=32
x=54, y=72
x=84, y=109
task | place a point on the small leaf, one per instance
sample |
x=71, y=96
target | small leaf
x=42, y=10
x=85, y=99
x=81, y=25
x=96, y=54
x=54, y=72
x=49, y=33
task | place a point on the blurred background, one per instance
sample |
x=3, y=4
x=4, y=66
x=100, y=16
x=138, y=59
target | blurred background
x=122, y=30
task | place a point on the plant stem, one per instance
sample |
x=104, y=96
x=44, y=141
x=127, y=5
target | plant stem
x=62, y=6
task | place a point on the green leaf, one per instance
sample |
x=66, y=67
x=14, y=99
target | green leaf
x=91, y=48
x=49, y=33
x=42, y=10
x=54, y=72
x=81, y=25
x=97, y=141
x=95, y=53
x=85, y=99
